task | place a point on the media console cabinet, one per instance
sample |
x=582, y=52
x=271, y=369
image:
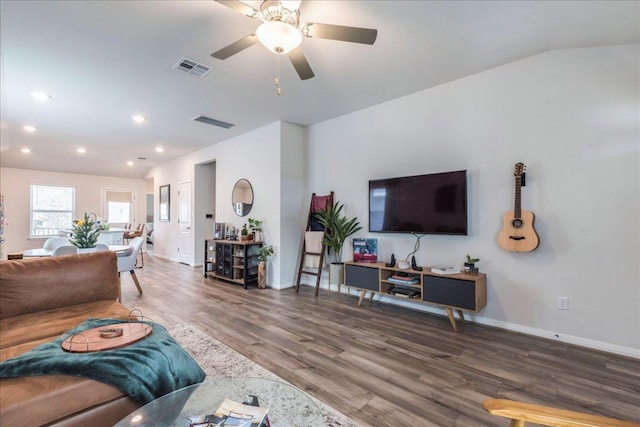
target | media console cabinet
x=231, y=260
x=460, y=291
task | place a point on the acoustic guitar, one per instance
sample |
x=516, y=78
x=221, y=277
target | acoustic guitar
x=518, y=234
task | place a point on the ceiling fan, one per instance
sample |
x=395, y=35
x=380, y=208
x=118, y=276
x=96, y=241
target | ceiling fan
x=281, y=32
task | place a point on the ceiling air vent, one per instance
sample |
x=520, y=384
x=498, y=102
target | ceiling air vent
x=213, y=122
x=192, y=67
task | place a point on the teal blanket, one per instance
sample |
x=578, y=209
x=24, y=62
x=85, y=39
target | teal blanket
x=144, y=370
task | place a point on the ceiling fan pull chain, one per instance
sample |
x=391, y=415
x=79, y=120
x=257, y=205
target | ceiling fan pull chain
x=276, y=80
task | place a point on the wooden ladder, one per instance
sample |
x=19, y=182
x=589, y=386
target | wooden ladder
x=318, y=204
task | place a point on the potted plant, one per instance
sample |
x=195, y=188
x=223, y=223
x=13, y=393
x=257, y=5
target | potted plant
x=256, y=227
x=337, y=229
x=84, y=233
x=244, y=233
x=470, y=265
x=263, y=256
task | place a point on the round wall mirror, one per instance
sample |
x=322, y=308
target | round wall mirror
x=242, y=197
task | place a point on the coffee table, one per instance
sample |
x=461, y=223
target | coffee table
x=288, y=406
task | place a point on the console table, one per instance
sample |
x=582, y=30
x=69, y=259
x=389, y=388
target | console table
x=232, y=261
x=460, y=292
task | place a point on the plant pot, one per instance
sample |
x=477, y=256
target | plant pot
x=469, y=267
x=244, y=238
x=336, y=273
x=262, y=275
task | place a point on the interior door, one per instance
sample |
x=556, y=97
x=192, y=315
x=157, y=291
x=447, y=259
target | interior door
x=185, y=242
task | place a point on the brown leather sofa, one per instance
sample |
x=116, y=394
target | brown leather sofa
x=40, y=299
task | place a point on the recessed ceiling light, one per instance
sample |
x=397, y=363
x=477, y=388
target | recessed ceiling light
x=159, y=149
x=25, y=150
x=29, y=128
x=129, y=163
x=40, y=96
x=138, y=118
x=81, y=150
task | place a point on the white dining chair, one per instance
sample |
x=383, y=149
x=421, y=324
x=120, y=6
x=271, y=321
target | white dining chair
x=65, y=250
x=127, y=260
x=53, y=242
x=101, y=247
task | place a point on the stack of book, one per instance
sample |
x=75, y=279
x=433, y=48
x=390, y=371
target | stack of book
x=404, y=280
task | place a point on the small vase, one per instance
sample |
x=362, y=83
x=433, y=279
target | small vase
x=262, y=275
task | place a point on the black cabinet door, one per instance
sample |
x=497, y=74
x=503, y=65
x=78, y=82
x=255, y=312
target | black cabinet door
x=362, y=277
x=449, y=291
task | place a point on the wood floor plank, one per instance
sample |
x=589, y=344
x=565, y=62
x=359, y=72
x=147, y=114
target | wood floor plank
x=384, y=365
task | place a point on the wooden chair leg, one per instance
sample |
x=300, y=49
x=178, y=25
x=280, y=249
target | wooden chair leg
x=135, y=280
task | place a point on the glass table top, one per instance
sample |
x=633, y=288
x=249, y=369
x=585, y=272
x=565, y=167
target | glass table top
x=287, y=405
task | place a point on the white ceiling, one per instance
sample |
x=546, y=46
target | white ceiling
x=102, y=61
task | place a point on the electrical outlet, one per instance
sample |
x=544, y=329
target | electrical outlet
x=563, y=303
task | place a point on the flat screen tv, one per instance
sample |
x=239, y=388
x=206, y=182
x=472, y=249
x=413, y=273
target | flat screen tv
x=422, y=204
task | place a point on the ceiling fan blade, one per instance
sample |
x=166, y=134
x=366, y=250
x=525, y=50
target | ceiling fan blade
x=339, y=32
x=235, y=47
x=300, y=64
x=238, y=6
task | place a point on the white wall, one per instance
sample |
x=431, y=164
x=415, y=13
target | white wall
x=14, y=185
x=293, y=213
x=255, y=156
x=572, y=117
x=204, y=204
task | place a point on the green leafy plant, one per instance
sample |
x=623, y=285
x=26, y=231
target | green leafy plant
x=84, y=233
x=255, y=225
x=471, y=260
x=337, y=228
x=244, y=231
x=265, y=252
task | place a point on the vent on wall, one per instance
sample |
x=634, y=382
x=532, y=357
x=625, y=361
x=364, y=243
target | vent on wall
x=192, y=67
x=213, y=122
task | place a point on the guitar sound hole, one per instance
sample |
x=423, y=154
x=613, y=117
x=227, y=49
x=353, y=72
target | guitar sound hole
x=517, y=223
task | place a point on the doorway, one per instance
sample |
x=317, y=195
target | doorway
x=185, y=241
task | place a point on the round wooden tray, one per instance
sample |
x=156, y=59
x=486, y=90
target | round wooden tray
x=106, y=337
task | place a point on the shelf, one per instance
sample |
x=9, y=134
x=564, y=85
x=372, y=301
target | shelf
x=414, y=285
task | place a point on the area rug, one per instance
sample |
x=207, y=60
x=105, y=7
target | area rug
x=218, y=361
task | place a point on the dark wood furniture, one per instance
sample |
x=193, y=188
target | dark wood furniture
x=232, y=261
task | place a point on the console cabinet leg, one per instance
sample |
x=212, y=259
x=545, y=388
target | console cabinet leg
x=362, y=294
x=461, y=314
x=452, y=319
x=371, y=297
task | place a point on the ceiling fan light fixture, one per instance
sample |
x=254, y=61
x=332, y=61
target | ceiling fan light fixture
x=279, y=37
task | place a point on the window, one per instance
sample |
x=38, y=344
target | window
x=52, y=209
x=118, y=211
x=118, y=206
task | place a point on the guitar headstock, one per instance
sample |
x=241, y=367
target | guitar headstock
x=519, y=169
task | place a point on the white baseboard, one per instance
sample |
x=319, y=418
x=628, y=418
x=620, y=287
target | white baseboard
x=569, y=339
x=165, y=257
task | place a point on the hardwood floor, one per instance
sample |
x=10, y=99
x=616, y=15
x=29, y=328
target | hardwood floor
x=382, y=365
